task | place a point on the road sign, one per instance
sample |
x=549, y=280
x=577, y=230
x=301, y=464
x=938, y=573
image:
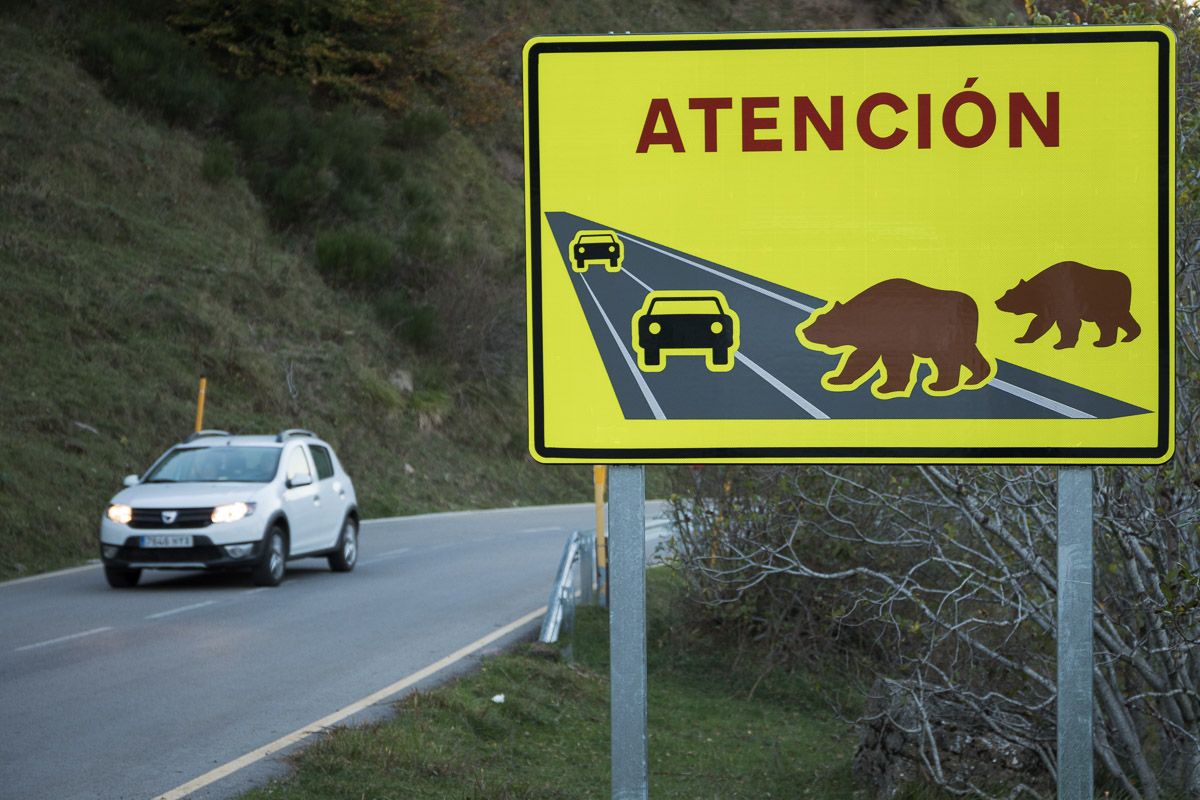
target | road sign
x=917, y=246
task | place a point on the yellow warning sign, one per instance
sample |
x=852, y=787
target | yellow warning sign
x=920, y=246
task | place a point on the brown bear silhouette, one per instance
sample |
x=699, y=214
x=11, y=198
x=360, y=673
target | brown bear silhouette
x=1069, y=293
x=898, y=321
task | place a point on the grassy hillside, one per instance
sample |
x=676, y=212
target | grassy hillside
x=328, y=264
x=125, y=276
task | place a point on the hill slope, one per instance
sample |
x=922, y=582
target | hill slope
x=124, y=277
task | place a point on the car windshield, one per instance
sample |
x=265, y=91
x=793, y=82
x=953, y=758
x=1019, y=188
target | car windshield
x=596, y=238
x=222, y=463
x=690, y=305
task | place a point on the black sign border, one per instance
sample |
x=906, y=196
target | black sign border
x=978, y=455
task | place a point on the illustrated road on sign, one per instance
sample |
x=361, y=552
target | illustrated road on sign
x=771, y=375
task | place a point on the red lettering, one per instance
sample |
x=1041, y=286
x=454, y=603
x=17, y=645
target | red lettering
x=1020, y=108
x=660, y=108
x=830, y=133
x=710, y=106
x=923, y=135
x=751, y=123
x=865, y=131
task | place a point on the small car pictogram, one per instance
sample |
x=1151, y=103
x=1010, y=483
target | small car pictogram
x=685, y=323
x=590, y=246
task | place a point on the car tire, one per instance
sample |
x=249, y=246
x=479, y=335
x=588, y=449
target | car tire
x=721, y=355
x=122, y=578
x=653, y=356
x=345, y=556
x=271, y=567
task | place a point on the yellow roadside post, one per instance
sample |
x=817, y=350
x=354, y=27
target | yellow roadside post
x=200, y=404
x=600, y=479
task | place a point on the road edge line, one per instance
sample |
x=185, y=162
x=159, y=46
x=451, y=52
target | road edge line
x=254, y=756
x=44, y=575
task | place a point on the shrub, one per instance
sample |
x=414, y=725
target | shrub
x=153, y=67
x=218, y=164
x=420, y=127
x=353, y=257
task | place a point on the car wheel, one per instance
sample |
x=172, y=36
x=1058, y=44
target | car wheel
x=653, y=356
x=270, y=568
x=346, y=556
x=121, y=578
x=721, y=355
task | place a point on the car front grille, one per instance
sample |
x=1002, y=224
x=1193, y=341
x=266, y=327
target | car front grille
x=186, y=518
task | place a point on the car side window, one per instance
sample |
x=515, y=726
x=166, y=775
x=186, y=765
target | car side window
x=324, y=463
x=297, y=464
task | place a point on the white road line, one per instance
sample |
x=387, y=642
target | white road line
x=453, y=514
x=1039, y=400
x=655, y=408
x=386, y=556
x=181, y=609
x=1016, y=391
x=542, y=530
x=60, y=639
x=782, y=388
x=775, y=383
x=789, y=301
x=320, y=725
x=44, y=575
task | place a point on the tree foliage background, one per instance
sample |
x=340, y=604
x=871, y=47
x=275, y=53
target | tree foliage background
x=944, y=577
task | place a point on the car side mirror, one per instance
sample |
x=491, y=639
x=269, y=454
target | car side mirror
x=131, y=480
x=299, y=480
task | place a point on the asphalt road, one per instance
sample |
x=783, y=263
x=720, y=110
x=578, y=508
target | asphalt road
x=111, y=694
x=773, y=377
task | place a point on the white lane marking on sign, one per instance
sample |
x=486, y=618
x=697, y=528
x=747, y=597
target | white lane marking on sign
x=181, y=609
x=1015, y=391
x=637, y=374
x=61, y=639
x=719, y=274
x=775, y=383
x=1039, y=400
x=782, y=388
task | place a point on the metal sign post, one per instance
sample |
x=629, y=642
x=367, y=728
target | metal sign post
x=1075, y=634
x=627, y=630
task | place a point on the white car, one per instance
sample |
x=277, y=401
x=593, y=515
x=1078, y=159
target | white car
x=217, y=501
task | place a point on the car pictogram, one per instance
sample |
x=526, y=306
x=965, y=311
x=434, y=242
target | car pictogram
x=685, y=323
x=592, y=246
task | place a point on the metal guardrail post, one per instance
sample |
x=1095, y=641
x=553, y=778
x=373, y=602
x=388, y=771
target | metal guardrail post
x=587, y=568
x=562, y=593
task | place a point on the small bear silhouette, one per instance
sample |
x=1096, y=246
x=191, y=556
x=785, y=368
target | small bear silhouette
x=897, y=322
x=1069, y=293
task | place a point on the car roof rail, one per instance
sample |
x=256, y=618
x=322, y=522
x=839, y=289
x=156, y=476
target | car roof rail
x=294, y=432
x=199, y=434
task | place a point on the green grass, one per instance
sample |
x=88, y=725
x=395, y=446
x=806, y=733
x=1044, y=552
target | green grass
x=126, y=273
x=708, y=738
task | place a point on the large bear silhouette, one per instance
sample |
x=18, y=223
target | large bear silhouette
x=893, y=324
x=1069, y=293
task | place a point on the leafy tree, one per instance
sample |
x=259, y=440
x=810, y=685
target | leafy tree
x=363, y=49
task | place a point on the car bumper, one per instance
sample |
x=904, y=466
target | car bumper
x=203, y=554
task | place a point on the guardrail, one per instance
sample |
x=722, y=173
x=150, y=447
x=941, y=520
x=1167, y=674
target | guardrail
x=580, y=549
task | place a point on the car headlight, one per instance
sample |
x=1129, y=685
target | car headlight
x=120, y=513
x=232, y=512
x=654, y=327
x=716, y=327
x=238, y=550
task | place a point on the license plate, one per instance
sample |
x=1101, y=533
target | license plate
x=167, y=540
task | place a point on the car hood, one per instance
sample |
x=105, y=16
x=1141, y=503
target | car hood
x=187, y=495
